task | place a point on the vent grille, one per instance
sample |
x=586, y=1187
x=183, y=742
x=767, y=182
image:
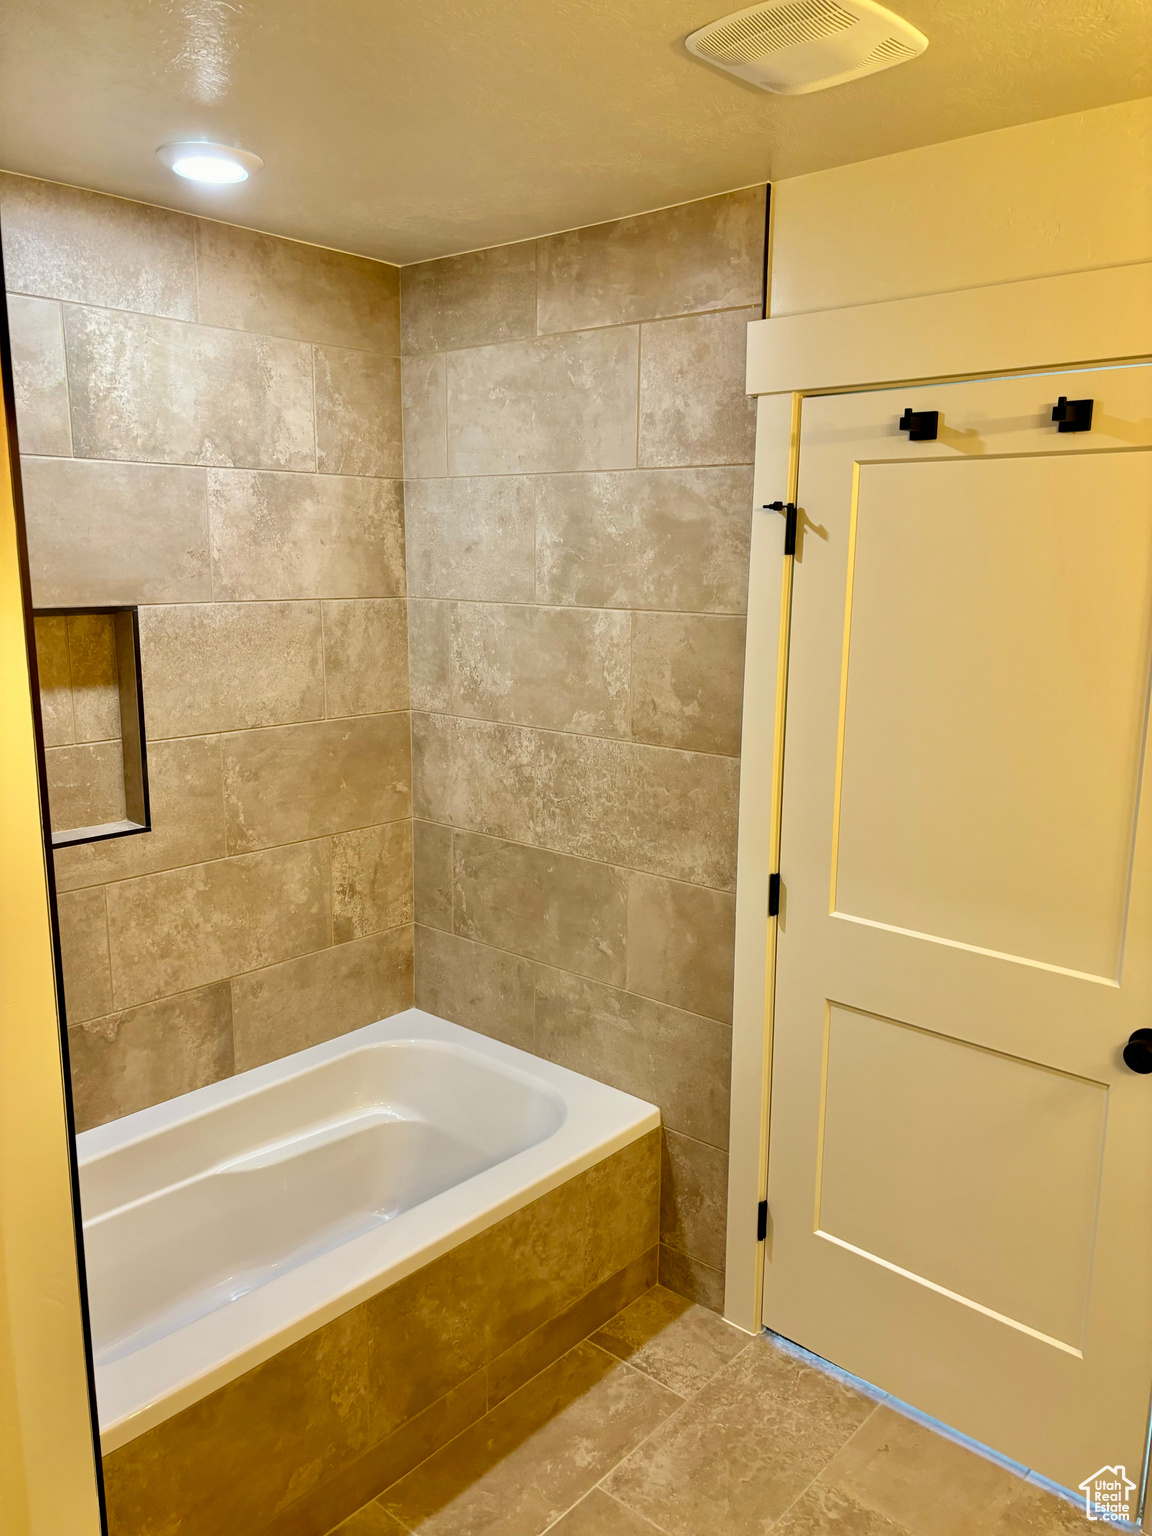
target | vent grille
x=890, y=51
x=751, y=36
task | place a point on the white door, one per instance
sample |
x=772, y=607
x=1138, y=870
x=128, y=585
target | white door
x=960, y=1164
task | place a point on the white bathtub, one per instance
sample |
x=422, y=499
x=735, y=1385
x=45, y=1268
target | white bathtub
x=222, y=1226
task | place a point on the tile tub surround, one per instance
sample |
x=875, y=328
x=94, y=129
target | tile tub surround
x=667, y=1421
x=578, y=501
x=210, y=421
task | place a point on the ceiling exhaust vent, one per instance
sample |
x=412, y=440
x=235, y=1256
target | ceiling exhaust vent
x=796, y=46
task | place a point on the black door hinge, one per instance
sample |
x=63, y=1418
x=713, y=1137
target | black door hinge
x=773, y=895
x=789, y=510
x=762, y=1221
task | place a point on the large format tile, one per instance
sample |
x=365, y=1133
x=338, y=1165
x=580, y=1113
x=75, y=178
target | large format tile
x=693, y=408
x=548, y=906
x=85, y=785
x=559, y=668
x=472, y=538
x=358, y=428
x=483, y=989
x=372, y=1520
x=738, y=1454
x=823, y=1511
x=707, y=254
x=660, y=538
x=288, y=1007
x=83, y=927
x=187, y=806
x=115, y=533
x=684, y=809
x=425, y=410
x=1035, y=1511
x=680, y=945
x=95, y=676
x=255, y=282
x=671, y=1058
x=694, y=1198
x=475, y=775
x=161, y=390
x=623, y=1208
x=670, y=1339
x=40, y=376
x=371, y=880
x=231, y=1461
x=432, y=874
x=228, y=666
x=688, y=681
x=277, y=535
x=63, y=243
x=555, y=403
x=366, y=656
x=54, y=672
x=467, y=301
x=922, y=1480
x=430, y=654
x=598, y=1514
x=130, y=1060
x=536, y=1454
x=297, y=781
x=184, y=928
x=691, y=1279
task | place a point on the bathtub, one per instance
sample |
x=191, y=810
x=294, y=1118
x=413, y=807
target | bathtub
x=222, y=1226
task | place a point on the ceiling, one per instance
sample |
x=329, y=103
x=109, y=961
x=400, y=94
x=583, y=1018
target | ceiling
x=405, y=129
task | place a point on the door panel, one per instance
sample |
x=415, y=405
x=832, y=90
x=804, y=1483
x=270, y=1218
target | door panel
x=959, y=1168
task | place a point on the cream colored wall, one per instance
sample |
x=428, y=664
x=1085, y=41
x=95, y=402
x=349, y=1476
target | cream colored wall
x=1068, y=194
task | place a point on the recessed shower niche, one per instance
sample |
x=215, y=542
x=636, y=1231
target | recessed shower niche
x=88, y=660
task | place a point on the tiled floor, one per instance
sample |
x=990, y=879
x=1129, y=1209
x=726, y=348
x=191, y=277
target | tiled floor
x=669, y=1422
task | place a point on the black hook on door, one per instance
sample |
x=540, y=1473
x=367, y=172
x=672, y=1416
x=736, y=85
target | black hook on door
x=921, y=426
x=1073, y=415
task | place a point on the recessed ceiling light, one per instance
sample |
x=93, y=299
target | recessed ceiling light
x=215, y=164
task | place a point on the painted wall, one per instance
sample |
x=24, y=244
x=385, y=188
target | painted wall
x=578, y=502
x=1068, y=194
x=210, y=424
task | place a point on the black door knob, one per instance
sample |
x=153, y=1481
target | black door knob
x=1138, y=1051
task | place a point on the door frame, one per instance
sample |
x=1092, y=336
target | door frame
x=1077, y=320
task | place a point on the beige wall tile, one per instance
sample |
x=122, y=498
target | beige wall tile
x=693, y=409
x=184, y=928
x=358, y=429
x=623, y=1207
x=434, y=1328
x=254, y=282
x=228, y=666
x=483, y=989
x=371, y=880
x=85, y=785
x=696, y=1282
x=432, y=865
x=144, y=388
x=231, y=1461
x=115, y=533
x=472, y=538
x=425, y=411
x=95, y=676
x=684, y=815
x=187, y=804
x=62, y=243
x=672, y=1340
x=469, y=773
x=296, y=781
x=688, y=680
x=83, y=929
x=584, y=796
x=40, y=375
x=366, y=656
x=662, y=538
x=680, y=940
x=559, y=668
x=305, y=536
x=430, y=654
x=468, y=301
x=674, y=1059
x=291, y=1006
x=130, y=1060
x=694, y=1198
x=555, y=403
x=54, y=670
x=547, y=906
x=703, y=255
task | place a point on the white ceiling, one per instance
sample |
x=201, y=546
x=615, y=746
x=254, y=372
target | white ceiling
x=405, y=129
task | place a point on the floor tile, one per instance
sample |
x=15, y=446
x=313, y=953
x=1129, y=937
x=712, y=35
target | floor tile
x=370, y=1521
x=824, y=1511
x=600, y=1515
x=537, y=1453
x=672, y=1340
x=920, y=1479
x=739, y=1453
x=1033, y=1511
